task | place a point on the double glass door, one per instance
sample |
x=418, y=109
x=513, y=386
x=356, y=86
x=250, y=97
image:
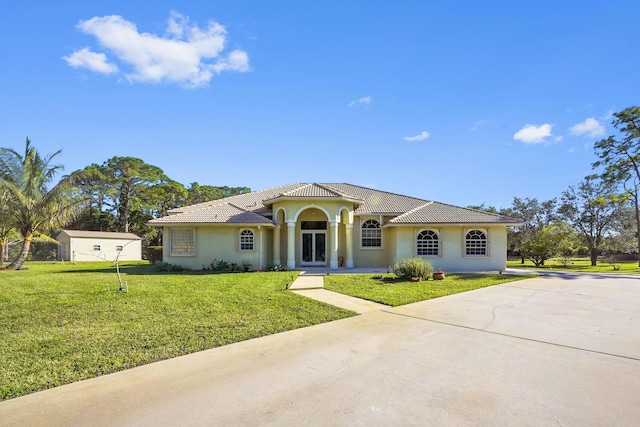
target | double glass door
x=314, y=243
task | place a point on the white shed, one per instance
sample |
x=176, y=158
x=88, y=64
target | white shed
x=79, y=245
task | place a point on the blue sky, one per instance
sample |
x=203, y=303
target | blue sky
x=462, y=102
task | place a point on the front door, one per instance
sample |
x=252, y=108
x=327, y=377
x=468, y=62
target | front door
x=314, y=248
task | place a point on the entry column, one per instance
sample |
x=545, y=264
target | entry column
x=348, y=234
x=276, y=245
x=291, y=245
x=333, y=261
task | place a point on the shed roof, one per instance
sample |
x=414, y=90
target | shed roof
x=100, y=234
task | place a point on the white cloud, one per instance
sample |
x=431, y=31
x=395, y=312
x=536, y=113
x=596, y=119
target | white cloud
x=419, y=137
x=477, y=125
x=590, y=127
x=532, y=134
x=97, y=62
x=187, y=55
x=365, y=100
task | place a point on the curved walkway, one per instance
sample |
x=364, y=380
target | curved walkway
x=311, y=285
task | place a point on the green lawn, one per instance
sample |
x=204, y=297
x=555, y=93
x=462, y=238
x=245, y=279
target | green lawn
x=59, y=323
x=582, y=265
x=400, y=292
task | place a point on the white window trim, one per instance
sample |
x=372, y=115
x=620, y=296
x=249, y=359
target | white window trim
x=371, y=248
x=253, y=240
x=193, y=238
x=437, y=232
x=464, y=243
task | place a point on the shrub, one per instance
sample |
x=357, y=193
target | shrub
x=166, y=266
x=413, y=267
x=275, y=267
x=221, y=265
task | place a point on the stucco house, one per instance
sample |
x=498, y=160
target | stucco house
x=78, y=245
x=333, y=226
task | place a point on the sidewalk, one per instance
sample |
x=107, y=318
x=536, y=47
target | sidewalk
x=311, y=285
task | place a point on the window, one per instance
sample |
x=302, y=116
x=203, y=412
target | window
x=246, y=240
x=182, y=242
x=476, y=243
x=428, y=243
x=371, y=234
x=119, y=248
x=96, y=247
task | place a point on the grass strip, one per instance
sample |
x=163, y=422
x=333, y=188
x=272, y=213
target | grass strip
x=394, y=292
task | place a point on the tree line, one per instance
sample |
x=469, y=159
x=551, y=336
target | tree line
x=121, y=194
x=598, y=216
x=601, y=214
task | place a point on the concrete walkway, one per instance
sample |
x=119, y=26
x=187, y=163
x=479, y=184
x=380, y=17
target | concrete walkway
x=311, y=285
x=548, y=351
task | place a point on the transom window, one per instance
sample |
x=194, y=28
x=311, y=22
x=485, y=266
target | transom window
x=476, y=243
x=371, y=234
x=428, y=243
x=246, y=240
x=182, y=242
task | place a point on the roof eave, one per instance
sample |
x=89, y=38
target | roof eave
x=205, y=224
x=451, y=224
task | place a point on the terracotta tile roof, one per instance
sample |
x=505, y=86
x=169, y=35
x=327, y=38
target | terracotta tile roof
x=222, y=213
x=378, y=202
x=255, y=207
x=312, y=191
x=441, y=213
x=251, y=201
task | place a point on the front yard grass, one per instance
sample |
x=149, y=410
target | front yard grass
x=400, y=292
x=60, y=324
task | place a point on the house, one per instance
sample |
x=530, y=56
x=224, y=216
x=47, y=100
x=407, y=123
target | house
x=333, y=226
x=77, y=245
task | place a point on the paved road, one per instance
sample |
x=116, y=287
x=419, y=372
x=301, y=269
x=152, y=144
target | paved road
x=549, y=351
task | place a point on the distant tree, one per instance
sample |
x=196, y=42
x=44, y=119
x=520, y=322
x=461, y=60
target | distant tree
x=536, y=216
x=548, y=242
x=593, y=208
x=33, y=205
x=197, y=193
x=165, y=196
x=619, y=155
x=127, y=180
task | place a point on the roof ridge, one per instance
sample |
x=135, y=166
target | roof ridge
x=300, y=187
x=429, y=202
x=334, y=190
x=380, y=191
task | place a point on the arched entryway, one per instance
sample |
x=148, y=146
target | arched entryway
x=313, y=249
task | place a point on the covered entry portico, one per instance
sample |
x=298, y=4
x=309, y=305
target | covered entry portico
x=313, y=234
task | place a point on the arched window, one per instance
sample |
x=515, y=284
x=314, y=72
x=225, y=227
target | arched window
x=428, y=243
x=371, y=234
x=476, y=243
x=246, y=240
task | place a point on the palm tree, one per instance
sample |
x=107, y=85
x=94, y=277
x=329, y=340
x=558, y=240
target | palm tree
x=6, y=225
x=33, y=206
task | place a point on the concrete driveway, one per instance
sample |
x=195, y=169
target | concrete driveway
x=549, y=351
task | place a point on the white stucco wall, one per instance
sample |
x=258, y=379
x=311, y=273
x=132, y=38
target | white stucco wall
x=452, y=256
x=220, y=243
